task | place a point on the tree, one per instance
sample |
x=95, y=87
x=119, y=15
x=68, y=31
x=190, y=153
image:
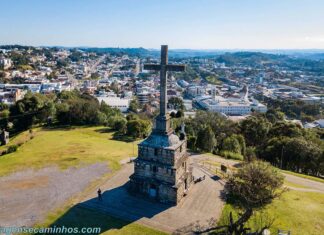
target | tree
x=255, y=130
x=250, y=154
x=133, y=105
x=176, y=103
x=301, y=155
x=241, y=140
x=61, y=63
x=118, y=124
x=275, y=115
x=255, y=184
x=284, y=128
x=32, y=109
x=95, y=76
x=62, y=113
x=4, y=118
x=109, y=111
x=75, y=56
x=82, y=109
x=296, y=154
x=231, y=144
x=138, y=128
x=115, y=87
x=179, y=114
x=206, y=140
x=252, y=187
x=100, y=118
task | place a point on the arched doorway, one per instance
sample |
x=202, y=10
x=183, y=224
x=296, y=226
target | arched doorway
x=153, y=191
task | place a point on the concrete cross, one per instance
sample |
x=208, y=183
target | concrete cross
x=163, y=68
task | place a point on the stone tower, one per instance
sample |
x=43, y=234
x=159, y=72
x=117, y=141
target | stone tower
x=161, y=170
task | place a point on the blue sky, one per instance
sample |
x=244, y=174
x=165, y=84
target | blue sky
x=196, y=24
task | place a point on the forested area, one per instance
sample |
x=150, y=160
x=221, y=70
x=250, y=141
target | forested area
x=264, y=136
x=294, y=108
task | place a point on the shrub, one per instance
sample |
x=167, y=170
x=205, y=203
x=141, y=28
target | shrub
x=250, y=154
x=119, y=124
x=12, y=148
x=231, y=155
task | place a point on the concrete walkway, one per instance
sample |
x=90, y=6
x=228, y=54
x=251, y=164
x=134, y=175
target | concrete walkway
x=203, y=204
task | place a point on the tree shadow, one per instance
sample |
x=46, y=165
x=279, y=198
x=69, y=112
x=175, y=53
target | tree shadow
x=117, y=209
x=67, y=127
x=116, y=135
x=81, y=217
x=124, y=138
x=60, y=127
x=238, y=165
x=104, y=130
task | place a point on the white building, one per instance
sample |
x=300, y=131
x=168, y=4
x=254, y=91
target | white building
x=187, y=104
x=143, y=97
x=230, y=106
x=316, y=124
x=116, y=102
x=195, y=91
x=5, y=63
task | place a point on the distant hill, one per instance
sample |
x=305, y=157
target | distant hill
x=249, y=58
x=115, y=50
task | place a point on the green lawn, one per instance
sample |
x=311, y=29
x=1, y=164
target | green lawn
x=81, y=217
x=300, y=212
x=66, y=147
x=213, y=80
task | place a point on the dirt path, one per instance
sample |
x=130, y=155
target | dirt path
x=26, y=197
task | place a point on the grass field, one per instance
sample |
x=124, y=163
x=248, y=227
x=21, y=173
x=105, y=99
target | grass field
x=214, y=80
x=300, y=212
x=66, y=147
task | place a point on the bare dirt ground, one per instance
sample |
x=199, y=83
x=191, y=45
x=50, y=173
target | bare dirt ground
x=26, y=197
x=202, y=205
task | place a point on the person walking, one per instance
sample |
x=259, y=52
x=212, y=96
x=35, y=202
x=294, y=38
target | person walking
x=99, y=194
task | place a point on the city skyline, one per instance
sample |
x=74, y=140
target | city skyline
x=190, y=24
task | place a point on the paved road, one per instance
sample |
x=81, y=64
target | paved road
x=203, y=204
x=311, y=185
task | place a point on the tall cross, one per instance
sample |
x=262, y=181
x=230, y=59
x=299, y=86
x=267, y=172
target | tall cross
x=164, y=67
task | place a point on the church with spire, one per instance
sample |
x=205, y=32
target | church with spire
x=161, y=170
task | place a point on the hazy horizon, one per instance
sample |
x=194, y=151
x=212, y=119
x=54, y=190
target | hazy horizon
x=179, y=49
